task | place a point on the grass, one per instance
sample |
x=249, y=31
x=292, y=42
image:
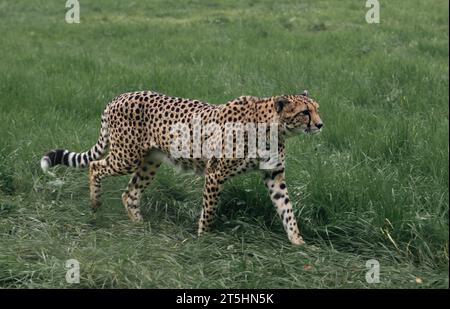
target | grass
x=373, y=185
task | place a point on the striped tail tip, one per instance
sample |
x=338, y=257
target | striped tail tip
x=45, y=163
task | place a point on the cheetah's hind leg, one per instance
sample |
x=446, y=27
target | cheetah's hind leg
x=142, y=177
x=101, y=169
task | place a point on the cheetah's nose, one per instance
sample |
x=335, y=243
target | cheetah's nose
x=319, y=125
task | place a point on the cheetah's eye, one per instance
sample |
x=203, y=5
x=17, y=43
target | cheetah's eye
x=306, y=112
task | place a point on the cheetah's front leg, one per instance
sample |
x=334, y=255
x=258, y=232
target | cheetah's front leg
x=276, y=184
x=213, y=186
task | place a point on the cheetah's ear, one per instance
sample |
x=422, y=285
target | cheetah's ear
x=305, y=93
x=280, y=103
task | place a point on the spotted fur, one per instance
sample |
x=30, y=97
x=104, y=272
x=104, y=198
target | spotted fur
x=136, y=127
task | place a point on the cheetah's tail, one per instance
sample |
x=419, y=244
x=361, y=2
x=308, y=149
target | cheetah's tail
x=74, y=159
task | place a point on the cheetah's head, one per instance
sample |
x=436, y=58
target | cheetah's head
x=299, y=113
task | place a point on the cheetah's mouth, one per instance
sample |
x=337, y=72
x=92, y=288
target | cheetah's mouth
x=311, y=130
x=307, y=130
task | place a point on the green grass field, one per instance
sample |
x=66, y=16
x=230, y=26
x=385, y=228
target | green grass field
x=373, y=185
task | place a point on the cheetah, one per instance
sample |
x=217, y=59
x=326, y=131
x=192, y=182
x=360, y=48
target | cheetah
x=137, y=132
